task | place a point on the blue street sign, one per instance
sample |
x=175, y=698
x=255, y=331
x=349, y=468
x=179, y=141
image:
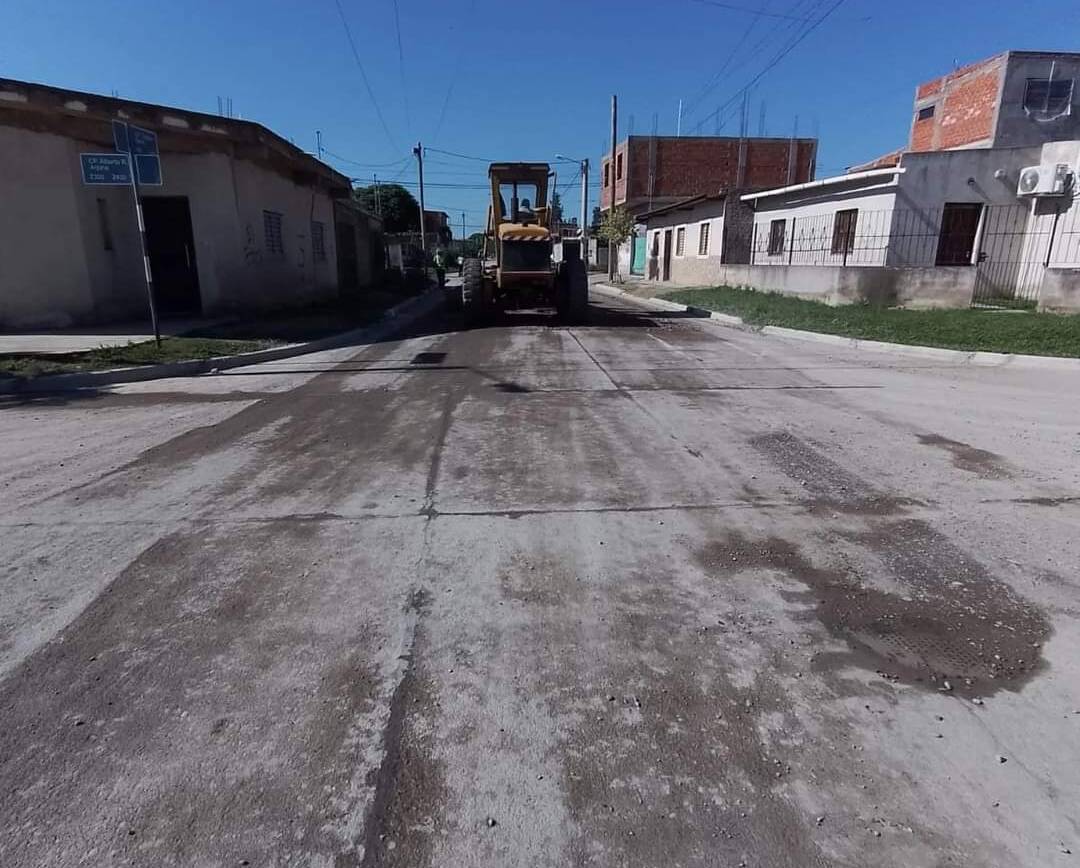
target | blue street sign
x=142, y=144
x=120, y=136
x=148, y=170
x=106, y=169
x=142, y=141
x=128, y=137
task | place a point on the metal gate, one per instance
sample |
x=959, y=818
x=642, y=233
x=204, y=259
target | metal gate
x=1013, y=247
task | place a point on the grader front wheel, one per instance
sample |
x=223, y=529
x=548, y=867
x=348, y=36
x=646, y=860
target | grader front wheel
x=473, y=303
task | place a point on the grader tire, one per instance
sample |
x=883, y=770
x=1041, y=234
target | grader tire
x=472, y=291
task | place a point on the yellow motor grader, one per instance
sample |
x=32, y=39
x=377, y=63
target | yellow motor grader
x=522, y=273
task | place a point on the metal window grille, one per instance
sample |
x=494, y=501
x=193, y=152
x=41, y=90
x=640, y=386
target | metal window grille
x=1008, y=247
x=680, y=241
x=925, y=113
x=776, y=237
x=318, y=240
x=275, y=243
x=703, y=240
x=843, y=239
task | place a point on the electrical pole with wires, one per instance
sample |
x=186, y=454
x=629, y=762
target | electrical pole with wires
x=585, y=212
x=613, y=253
x=378, y=200
x=318, y=143
x=419, y=152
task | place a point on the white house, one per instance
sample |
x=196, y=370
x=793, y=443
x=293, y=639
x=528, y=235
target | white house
x=940, y=228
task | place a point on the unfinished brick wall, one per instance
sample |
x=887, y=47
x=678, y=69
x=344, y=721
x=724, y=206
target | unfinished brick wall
x=965, y=107
x=611, y=168
x=690, y=166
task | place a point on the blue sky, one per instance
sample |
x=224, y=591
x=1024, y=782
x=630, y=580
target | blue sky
x=522, y=80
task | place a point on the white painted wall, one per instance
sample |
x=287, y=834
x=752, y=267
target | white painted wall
x=1065, y=252
x=44, y=278
x=55, y=270
x=814, y=213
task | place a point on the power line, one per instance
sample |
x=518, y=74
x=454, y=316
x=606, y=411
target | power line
x=757, y=12
x=779, y=28
x=460, y=156
x=772, y=63
x=454, y=77
x=401, y=66
x=711, y=83
x=342, y=159
x=363, y=75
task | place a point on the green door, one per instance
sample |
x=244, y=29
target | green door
x=637, y=261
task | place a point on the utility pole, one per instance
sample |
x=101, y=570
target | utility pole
x=462, y=233
x=378, y=200
x=585, y=212
x=612, y=253
x=419, y=152
x=318, y=143
x=678, y=123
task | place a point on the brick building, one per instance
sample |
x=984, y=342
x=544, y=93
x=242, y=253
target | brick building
x=653, y=171
x=1013, y=99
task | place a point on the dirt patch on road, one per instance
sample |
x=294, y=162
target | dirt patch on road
x=828, y=485
x=670, y=763
x=957, y=627
x=988, y=465
x=409, y=785
x=958, y=630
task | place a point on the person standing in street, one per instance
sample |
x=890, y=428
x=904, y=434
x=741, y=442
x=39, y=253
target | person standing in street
x=440, y=267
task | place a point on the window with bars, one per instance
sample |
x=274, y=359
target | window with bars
x=843, y=233
x=925, y=113
x=703, y=240
x=680, y=241
x=777, y=229
x=318, y=241
x=272, y=237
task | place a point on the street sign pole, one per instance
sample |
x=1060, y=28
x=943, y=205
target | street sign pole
x=142, y=238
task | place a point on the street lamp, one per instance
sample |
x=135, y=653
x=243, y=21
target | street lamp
x=584, y=164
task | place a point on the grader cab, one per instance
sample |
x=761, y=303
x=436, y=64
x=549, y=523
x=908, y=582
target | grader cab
x=523, y=274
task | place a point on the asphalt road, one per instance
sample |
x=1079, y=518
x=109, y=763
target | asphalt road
x=645, y=592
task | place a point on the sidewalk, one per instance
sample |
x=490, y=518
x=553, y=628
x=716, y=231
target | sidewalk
x=77, y=340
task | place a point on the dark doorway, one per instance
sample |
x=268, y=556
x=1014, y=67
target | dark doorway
x=170, y=243
x=666, y=274
x=348, y=270
x=959, y=224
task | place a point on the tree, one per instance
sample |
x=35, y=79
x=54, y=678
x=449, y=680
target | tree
x=474, y=245
x=616, y=226
x=399, y=208
x=556, y=209
x=597, y=216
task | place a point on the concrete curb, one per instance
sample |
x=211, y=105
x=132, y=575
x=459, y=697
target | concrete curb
x=979, y=358
x=396, y=318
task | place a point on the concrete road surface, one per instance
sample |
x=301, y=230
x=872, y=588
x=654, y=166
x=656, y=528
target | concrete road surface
x=645, y=592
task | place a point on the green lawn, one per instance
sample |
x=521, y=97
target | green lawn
x=1041, y=334
x=146, y=353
